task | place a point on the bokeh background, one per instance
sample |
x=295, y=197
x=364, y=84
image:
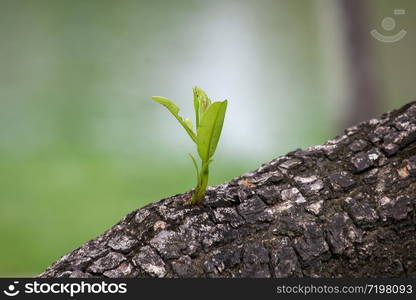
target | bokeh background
x=81, y=144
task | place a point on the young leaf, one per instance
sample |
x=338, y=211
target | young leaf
x=196, y=166
x=209, y=129
x=203, y=101
x=174, y=109
x=196, y=107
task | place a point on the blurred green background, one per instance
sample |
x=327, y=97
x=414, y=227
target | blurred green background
x=81, y=144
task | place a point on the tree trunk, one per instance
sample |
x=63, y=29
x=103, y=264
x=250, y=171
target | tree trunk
x=342, y=209
x=362, y=75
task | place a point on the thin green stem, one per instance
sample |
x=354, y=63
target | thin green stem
x=201, y=187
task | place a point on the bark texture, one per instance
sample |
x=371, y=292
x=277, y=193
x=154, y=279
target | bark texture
x=342, y=209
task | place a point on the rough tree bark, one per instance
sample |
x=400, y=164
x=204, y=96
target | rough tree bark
x=342, y=209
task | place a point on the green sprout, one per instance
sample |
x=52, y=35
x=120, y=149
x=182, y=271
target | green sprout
x=209, y=118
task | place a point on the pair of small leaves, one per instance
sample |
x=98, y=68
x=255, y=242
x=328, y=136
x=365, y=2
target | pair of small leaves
x=209, y=119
